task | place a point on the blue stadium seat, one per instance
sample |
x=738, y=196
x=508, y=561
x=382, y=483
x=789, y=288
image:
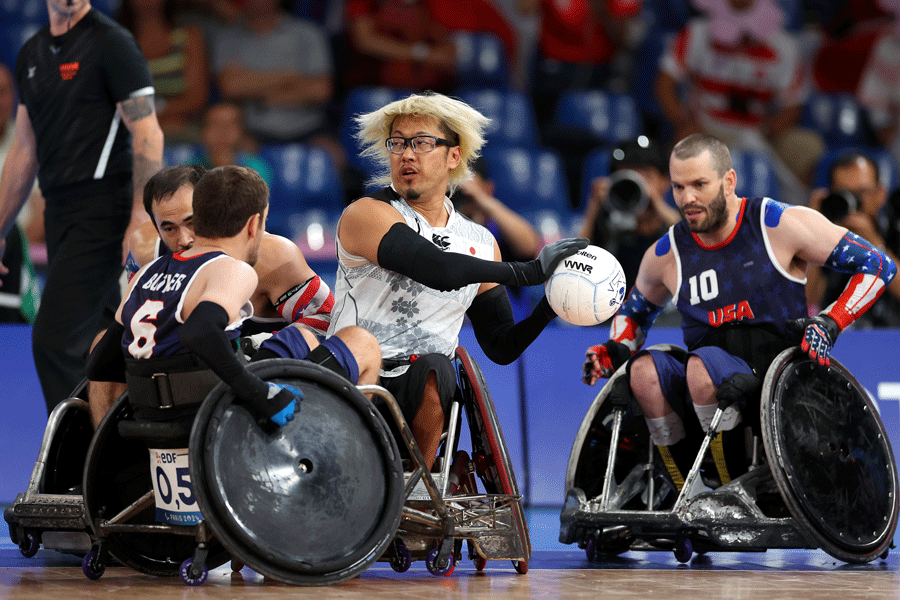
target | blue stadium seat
x=303, y=177
x=480, y=60
x=181, y=154
x=12, y=37
x=600, y=117
x=888, y=171
x=512, y=117
x=108, y=7
x=755, y=175
x=596, y=164
x=362, y=100
x=528, y=179
x=23, y=12
x=839, y=118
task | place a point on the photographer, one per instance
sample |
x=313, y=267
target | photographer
x=627, y=212
x=857, y=200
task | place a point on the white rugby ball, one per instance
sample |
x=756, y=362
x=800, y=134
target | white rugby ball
x=587, y=288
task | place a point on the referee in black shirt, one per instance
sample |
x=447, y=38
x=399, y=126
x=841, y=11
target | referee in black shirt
x=86, y=126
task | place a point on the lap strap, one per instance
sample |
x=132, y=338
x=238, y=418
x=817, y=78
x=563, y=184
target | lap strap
x=169, y=381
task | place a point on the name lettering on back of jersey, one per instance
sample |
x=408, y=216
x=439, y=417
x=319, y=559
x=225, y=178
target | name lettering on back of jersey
x=164, y=282
x=732, y=312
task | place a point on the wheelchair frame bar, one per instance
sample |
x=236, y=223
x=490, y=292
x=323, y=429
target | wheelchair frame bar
x=40, y=466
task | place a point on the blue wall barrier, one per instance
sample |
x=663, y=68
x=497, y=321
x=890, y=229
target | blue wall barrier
x=540, y=399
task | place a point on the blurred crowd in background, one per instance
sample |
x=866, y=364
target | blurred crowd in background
x=586, y=98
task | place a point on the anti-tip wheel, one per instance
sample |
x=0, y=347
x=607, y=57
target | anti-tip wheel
x=521, y=566
x=403, y=560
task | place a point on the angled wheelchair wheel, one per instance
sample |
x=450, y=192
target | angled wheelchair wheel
x=588, y=459
x=116, y=475
x=314, y=502
x=830, y=456
x=492, y=461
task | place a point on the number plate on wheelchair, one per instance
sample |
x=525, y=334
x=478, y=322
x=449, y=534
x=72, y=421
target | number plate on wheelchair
x=175, y=500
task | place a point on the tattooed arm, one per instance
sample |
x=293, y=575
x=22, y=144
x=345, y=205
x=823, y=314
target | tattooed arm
x=139, y=116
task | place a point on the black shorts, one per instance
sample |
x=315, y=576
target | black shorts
x=409, y=387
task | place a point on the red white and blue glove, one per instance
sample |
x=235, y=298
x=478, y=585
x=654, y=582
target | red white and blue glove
x=603, y=360
x=819, y=334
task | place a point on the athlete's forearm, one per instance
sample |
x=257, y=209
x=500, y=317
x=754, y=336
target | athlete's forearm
x=15, y=184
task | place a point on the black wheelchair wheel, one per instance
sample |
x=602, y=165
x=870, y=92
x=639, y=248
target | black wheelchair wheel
x=492, y=461
x=314, y=502
x=116, y=474
x=830, y=456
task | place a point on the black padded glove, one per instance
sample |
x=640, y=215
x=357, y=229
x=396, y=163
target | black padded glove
x=539, y=270
x=737, y=389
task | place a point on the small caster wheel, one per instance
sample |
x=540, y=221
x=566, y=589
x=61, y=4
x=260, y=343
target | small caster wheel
x=403, y=558
x=29, y=544
x=883, y=556
x=434, y=570
x=590, y=549
x=480, y=563
x=236, y=565
x=684, y=549
x=185, y=573
x=89, y=566
x=521, y=566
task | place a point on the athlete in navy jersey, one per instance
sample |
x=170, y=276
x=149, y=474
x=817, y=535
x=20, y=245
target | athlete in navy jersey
x=86, y=127
x=737, y=269
x=754, y=288
x=153, y=307
x=193, y=301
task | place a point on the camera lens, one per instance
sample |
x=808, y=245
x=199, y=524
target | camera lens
x=837, y=205
x=628, y=192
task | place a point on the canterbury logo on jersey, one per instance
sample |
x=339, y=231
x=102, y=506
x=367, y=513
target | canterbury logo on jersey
x=164, y=282
x=441, y=241
x=733, y=312
x=68, y=70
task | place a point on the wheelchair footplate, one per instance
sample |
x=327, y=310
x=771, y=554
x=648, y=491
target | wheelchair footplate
x=51, y=513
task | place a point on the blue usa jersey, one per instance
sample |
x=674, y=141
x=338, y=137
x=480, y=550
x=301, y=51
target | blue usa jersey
x=738, y=280
x=152, y=312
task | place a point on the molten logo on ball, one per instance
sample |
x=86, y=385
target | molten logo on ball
x=587, y=288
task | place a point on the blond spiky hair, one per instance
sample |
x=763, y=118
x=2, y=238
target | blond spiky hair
x=457, y=120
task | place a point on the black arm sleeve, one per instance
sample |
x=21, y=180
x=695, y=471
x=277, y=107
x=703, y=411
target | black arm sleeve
x=106, y=361
x=204, y=333
x=404, y=251
x=502, y=339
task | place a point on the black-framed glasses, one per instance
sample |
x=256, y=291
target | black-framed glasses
x=419, y=143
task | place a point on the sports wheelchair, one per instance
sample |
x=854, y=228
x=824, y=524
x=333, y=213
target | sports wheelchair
x=314, y=502
x=825, y=476
x=445, y=508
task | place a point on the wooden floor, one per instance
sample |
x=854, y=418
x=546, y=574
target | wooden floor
x=556, y=571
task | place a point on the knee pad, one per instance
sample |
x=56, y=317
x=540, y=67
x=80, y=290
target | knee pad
x=334, y=355
x=666, y=430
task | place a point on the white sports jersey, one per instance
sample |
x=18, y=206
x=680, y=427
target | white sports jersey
x=407, y=317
